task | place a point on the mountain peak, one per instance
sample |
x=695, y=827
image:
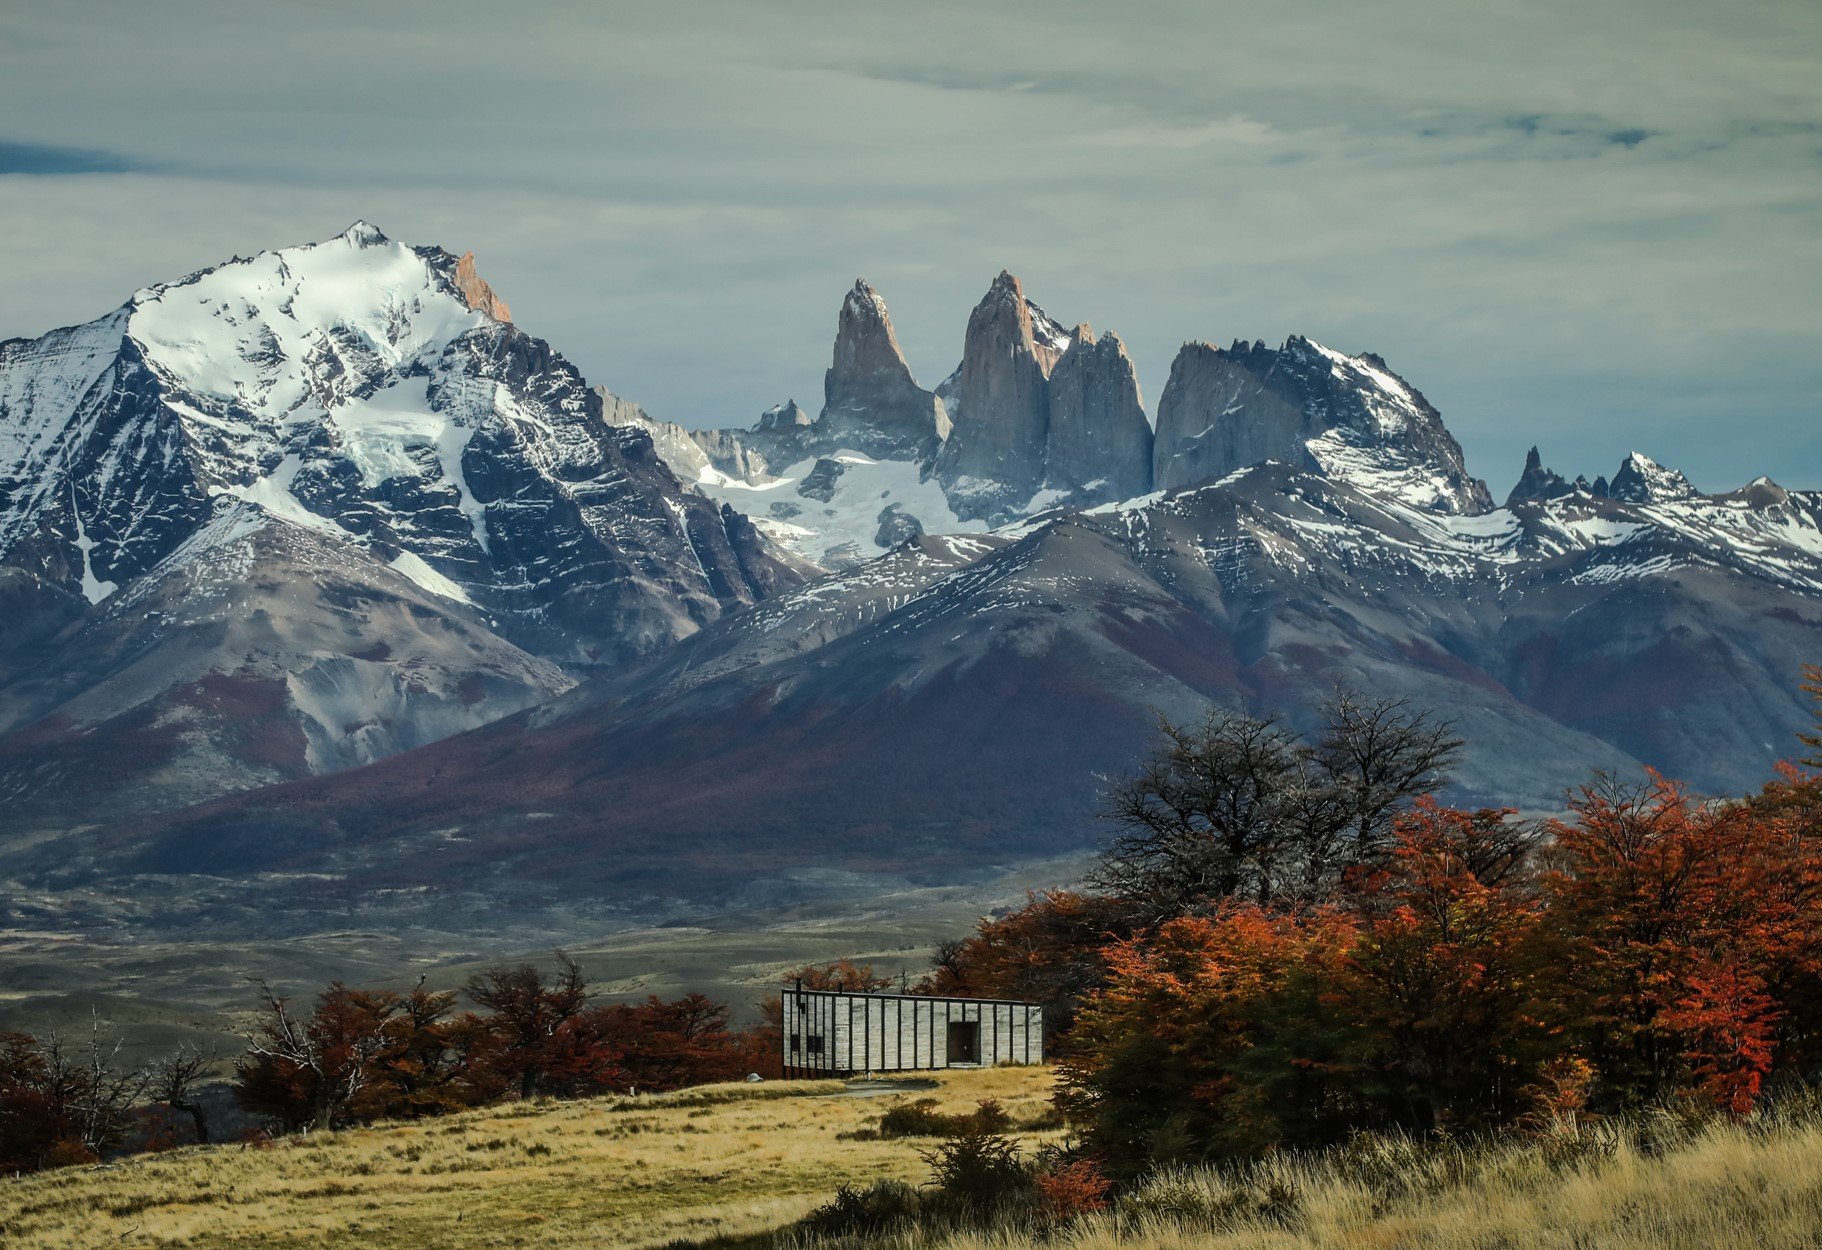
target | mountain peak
x=863, y=299
x=1537, y=482
x=363, y=234
x=780, y=418
x=1643, y=480
x=870, y=400
x=1350, y=417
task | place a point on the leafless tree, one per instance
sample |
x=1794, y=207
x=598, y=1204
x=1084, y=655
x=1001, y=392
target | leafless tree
x=91, y=1082
x=332, y=1049
x=1240, y=806
x=174, y=1081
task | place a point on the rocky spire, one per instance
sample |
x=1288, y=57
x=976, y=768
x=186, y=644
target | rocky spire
x=870, y=400
x=1099, y=443
x=994, y=459
x=1538, y=483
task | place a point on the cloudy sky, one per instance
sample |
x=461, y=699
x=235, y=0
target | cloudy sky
x=1589, y=226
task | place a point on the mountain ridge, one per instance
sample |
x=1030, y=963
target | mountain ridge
x=329, y=523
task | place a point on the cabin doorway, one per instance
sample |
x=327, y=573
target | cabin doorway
x=964, y=1042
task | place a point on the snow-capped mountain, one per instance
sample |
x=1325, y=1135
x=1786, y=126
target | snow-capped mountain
x=340, y=432
x=328, y=507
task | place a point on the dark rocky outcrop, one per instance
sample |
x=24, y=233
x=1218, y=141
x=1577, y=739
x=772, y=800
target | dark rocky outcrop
x=896, y=526
x=819, y=483
x=1537, y=482
x=1643, y=480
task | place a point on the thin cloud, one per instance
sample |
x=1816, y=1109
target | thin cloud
x=54, y=160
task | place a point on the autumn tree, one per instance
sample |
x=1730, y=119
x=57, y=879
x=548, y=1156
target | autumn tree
x=1408, y=1000
x=1440, y=988
x=667, y=1045
x=310, y=1071
x=1049, y=952
x=1693, y=937
x=37, y=1126
x=535, y=1036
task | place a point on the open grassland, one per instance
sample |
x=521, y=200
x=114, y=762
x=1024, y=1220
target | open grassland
x=709, y=1162
x=734, y=1162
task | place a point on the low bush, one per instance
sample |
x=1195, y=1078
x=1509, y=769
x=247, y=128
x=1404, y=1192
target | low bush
x=922, y=1119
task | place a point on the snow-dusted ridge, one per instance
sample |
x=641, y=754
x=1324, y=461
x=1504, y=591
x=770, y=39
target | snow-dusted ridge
x=374, y=392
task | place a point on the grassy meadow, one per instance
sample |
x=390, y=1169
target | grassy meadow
x=613, y=1172
x=725, y=1165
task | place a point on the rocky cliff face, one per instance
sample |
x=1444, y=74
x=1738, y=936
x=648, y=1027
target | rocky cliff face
x=871, y=403
x=1098, y=445
x=1307, y=405
x=475, y=292
x=993, y=461
x=1040, y=417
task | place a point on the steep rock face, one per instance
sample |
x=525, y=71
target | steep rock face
x=871, y=403
x=994, y=459
x=1306, y=404
x=1538, y=483
x=475, y=292
x=1220, y=411
x=1098, y=447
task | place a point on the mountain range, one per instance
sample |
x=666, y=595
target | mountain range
x=317, y=563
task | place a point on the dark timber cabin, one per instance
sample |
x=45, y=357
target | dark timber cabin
x=844, y=1032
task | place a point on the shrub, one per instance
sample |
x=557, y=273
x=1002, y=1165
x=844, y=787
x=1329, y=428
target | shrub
x=1073, y=1188
x=978, y=1171
x=883, y=1207
x=922, y=1119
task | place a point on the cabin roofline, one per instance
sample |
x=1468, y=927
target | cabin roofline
x=919, y=998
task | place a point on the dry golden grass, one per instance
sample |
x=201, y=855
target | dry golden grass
x=1719, y=1185
x=723, y=1160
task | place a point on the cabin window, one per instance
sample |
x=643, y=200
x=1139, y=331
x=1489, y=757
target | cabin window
x=796, y=1043
x=813, y=1044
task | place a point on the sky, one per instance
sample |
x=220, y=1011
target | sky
x=1592, y=227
